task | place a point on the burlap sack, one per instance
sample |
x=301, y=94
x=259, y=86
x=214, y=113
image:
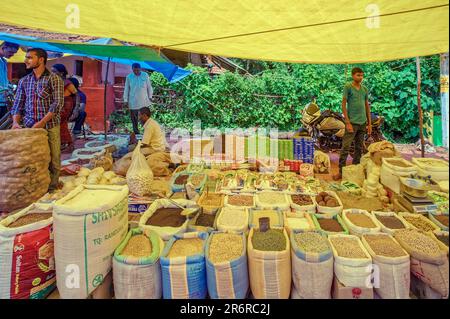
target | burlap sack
x=24, y=174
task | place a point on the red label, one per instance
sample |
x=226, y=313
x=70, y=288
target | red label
x=33, y=263
x=356, y=292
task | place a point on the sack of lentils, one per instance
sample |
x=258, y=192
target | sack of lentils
x=226, y=265
x=419, y=222
x=393, y=265
x=183, y=267
x=351, y=260
x=136, y=267
x=390, y=222
x=269, y=261
x=329, y=225
x=429, y=262
x=360, y=222
x=312, y=264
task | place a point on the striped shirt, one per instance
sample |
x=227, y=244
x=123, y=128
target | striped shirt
x=37, y=97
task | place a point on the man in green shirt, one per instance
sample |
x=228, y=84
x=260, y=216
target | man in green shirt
x=355, y=106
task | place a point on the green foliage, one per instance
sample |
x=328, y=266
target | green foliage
x=277, y=92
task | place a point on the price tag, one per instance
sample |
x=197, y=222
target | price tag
x=264, y=224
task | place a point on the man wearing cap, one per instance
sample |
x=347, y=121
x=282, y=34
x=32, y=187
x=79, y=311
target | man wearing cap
x=138, y=93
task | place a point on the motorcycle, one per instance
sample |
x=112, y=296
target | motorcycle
x=328, y=127
x=6, y=105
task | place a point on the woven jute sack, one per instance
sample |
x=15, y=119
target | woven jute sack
x=24, y=174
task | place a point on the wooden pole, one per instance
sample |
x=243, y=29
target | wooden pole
x=419, y=106
x=104, y=99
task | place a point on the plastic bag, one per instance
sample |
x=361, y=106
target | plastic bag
x=321, y=163
x=139, y=175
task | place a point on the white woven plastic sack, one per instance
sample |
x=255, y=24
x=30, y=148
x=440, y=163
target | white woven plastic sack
x=139, y=175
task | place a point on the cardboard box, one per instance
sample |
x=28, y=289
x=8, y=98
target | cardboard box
x=339, y=291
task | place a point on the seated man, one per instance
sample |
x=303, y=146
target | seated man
x=154, y=139
x=79, y=112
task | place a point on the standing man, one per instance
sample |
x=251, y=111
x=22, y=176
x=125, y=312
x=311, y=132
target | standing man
x=138, y=93
x=38, y=103
x=7, y=50
x=356, y=110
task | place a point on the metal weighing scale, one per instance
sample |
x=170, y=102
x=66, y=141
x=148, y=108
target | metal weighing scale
x=415, y=204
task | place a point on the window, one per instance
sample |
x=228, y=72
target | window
x=79, y=68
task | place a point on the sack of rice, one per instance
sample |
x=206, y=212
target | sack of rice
x=183, y=267
x=165, y=218
x=27, y=262
x=136, y=267
x=232, y=219
x=352, y=262
x=139, y=175
x=429, y=262
x=312, y=264
x=89, y=223
x=269, y=261
x=360, y=222
x=272, y=200
x=393, y=265
x=24, y=174
x=293, y=222
x=226, y=266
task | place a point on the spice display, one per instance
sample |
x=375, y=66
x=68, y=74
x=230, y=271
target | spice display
x=348, y=247
x=350, y=201
x=384, y=245
x=443, y=219
x=29, y=218
x=391, y=222
x=225, y=247
x=271, y=240
x=206, y=220
x=361, y=220
x=211, y=199
x=240, y=200
x=301, y=200
x=324, y=199
x=186, y=247
x=270, y=213
x=138, y=246
x=167, y=217
x=331, y=225
x=418, y=241
x=297, y=223
x=443, y=239
x=181, y=179
x=233, y=217
x=272, y=198
x=312, y=242
x=419, y=223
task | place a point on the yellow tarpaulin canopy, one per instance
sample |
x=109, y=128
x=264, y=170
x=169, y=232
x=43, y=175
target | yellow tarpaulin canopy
x=313, y=31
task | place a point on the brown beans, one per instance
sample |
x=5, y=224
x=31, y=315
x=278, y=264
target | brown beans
x=240, y=200
x=167, y=217
x=29, y=219
x=330, y=225
x=181, y=179
x=361, y=220
x=206, y=220
x=384, y=245
x=418, y=241
x=419, y=223
x=301, y=200
x=391, y=222
x=348, y=247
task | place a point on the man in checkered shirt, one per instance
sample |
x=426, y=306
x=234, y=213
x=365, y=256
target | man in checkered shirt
x=38, y=103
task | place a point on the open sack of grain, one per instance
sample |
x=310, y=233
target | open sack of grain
x=226, y=265
x=183, y=267
x=139, y=175
x=269, y=261
x=24, y=174
x=328, y=203
x=352, y=262
x=329, y=225
x=392, y=277
x=27, y=262
x=390, y=222
x=232, y=219
x=89, y=223
x=136, y=267
x=360, y=222
x=312, y=264
x=429, y=261
x=275, y=216
x=165, y=218
x=302, y=204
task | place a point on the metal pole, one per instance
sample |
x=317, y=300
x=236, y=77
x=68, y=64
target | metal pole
x=104, y=98
x=419, y=106
x=444, y=98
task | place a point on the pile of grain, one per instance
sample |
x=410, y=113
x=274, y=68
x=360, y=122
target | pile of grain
x=233, y=217
x=361, y=220
x=225, y=247
x=418, y=241
x=167, y=217
x=138, y=246
x=419, y=223
x=312, y=242
x=212, y=199
x=348, y=247
x=186, y=247
x=272, y=198
x=301, y=200
x=350, y=201
x=206, y=220
x=240, y=200
x=330, y=225
x=297, y=223
x=271, y=240
x=29, y=218
x=383, y=245
x=391, y=222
